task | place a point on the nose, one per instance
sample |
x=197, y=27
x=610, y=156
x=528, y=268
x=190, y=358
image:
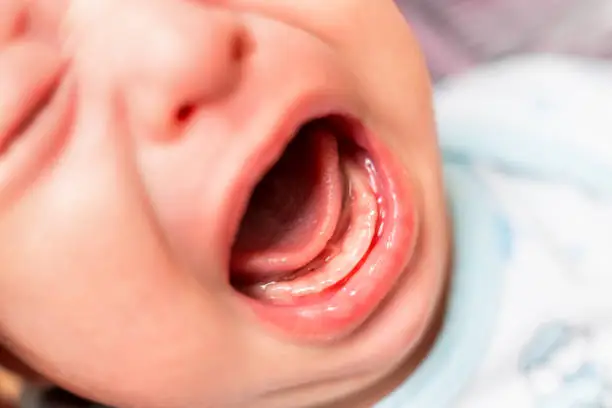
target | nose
x=173, y=57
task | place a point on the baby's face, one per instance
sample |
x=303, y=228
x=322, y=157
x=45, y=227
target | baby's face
x=217, y=203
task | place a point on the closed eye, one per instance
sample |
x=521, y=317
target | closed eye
x=30, y=116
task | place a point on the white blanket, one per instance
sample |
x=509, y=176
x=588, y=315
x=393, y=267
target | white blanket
x=528, y=155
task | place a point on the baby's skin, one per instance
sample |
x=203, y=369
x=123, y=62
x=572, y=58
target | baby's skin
x=229, y=203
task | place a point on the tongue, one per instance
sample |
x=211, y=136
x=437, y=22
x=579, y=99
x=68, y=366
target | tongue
x=294, y=210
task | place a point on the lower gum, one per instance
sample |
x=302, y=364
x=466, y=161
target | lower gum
x=285, y=293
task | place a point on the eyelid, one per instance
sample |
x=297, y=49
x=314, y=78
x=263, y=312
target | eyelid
x=29, y=74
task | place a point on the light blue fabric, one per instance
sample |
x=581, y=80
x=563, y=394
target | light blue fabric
x=542, y=117
x=482, y=246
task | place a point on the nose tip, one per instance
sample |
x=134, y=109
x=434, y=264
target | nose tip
x=188, y=57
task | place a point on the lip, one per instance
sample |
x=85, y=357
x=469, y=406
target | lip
x=352, y=302
x=23, y=157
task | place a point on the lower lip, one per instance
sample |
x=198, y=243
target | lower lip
x=358, y=297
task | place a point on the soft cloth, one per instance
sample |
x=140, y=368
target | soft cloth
x=528, y=156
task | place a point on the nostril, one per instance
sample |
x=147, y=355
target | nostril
x=194, y=61
x=184, y=113
x=239, y=47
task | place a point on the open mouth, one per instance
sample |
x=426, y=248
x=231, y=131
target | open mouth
x=316, y=245
x=311, y=220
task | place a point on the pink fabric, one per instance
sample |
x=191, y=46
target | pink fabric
x=457, y=34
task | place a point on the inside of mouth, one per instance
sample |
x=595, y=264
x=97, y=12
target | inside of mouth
x=311, y=220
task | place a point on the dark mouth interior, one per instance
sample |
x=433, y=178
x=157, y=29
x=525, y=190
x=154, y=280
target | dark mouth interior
x=296, y=208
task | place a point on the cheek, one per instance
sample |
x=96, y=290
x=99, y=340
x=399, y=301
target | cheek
x=90, y=297
x=395, y=83
x=64, y=249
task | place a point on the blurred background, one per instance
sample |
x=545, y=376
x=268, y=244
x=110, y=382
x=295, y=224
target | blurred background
x=455, y=36
x=458, y=34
